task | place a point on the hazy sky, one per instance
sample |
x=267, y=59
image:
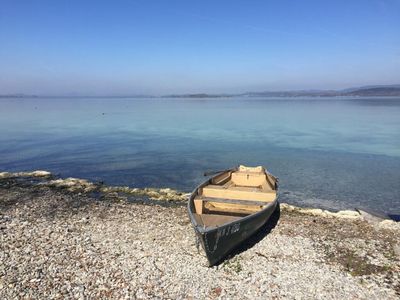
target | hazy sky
x=157, y=47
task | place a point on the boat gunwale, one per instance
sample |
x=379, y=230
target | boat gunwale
x=203, y=230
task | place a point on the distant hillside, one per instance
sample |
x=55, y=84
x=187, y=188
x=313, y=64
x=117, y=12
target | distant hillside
x=301, y=93
x=375, y=91
x=366, y=91
x=392, y=90
x=201, y=95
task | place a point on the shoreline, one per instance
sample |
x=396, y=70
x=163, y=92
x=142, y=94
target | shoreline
x=79, y=185
x=73, y=238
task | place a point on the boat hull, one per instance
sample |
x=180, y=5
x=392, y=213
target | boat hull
x=218, y=242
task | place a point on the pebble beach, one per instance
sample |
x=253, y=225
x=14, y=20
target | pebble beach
x=73, y=239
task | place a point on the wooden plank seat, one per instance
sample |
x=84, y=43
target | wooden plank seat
x=233, y=201
x=251, y=179
x=238, y=193
x=226, y=204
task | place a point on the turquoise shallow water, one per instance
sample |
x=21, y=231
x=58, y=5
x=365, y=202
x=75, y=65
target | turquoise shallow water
x=333, y=153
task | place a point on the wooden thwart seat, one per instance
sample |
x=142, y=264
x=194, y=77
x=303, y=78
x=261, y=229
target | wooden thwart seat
x=238, y=193
x=233, y=201
x=228, y=204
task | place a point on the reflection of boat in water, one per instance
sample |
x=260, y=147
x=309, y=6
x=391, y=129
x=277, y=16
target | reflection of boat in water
x=231, y=206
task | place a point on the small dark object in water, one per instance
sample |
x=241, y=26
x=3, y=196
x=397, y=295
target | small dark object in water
x=394, y=217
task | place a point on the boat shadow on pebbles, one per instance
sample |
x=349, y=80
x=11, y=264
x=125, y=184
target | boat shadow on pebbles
x=257, y=237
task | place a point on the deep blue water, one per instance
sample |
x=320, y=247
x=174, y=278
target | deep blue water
x=332, y=153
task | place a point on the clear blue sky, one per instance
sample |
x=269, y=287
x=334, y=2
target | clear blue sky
x=157, y=47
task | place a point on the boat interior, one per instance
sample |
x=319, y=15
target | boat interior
x=232, y=195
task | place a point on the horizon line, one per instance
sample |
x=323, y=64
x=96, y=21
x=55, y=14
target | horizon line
x=222, y=94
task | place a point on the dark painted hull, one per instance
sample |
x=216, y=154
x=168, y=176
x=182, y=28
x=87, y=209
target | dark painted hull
x=220, y=241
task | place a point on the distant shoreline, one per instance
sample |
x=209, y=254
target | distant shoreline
x=300, y=97
x=367, y=91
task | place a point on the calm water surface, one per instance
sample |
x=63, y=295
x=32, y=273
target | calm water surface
x=331, y=153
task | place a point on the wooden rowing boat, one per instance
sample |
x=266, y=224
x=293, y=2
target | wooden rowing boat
x=228, y=208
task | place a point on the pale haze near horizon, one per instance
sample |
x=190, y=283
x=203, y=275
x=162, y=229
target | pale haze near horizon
x=149, y=47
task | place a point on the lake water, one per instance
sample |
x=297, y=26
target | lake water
x=334, y=153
